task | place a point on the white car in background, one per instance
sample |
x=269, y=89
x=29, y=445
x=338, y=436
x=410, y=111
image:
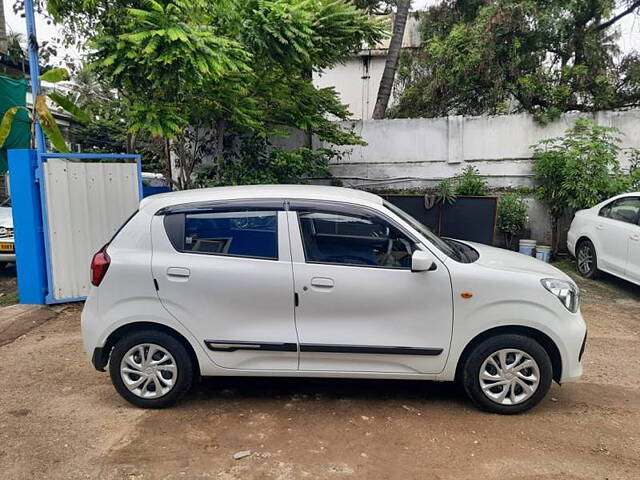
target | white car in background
x=7, y=247
x=607, y=238
x=310, y=281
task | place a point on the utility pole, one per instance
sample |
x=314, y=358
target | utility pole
x=34, y=71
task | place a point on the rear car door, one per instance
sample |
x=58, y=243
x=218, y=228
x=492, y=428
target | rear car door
x=224, y=271
x=361, y=309
x=618, y=236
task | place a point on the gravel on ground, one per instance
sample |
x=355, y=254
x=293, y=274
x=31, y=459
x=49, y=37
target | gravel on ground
x=60, y=419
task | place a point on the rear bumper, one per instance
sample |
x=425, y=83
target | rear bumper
x=7, y=257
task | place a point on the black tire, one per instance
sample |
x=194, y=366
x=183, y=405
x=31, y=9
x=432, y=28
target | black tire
x=476, y=358
x=184, y=368
x=585, y=247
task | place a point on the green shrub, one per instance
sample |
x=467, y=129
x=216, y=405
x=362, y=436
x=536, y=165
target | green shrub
x=445, y=192
x=512, y=216
x=470, y=183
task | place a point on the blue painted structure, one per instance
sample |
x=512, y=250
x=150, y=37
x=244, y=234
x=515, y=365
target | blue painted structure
x=29, y=200
x=148, y=191
x=27, y=227
x=29, y=197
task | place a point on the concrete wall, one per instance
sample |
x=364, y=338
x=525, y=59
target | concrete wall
x=418, y=153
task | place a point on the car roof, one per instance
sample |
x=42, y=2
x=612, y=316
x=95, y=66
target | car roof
x=304, y=192
x=622, y=195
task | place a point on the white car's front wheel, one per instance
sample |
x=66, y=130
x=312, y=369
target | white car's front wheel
x=507, y=374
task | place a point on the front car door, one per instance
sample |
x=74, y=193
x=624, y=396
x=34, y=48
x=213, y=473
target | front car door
x=618, y=237
x=224, y=271
x=360, y=307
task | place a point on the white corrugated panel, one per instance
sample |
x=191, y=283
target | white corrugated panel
x=86, y=203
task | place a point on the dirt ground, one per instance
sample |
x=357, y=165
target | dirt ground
x=61, y=419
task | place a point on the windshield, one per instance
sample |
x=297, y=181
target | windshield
x=445, y=247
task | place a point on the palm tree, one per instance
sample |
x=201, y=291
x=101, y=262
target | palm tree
x=3, y=29
x=393, y=54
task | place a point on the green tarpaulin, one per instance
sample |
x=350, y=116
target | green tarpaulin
x=13, y=92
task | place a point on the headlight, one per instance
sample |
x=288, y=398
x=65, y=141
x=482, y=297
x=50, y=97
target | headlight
x=567, y=292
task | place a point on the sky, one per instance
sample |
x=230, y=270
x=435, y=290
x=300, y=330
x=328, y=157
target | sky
x=629, y=26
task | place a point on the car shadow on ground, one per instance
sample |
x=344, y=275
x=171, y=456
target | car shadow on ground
x=280, y=388
x=606, y=284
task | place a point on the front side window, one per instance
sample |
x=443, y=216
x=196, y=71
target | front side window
x=350, y=239
x=623, y=210
x=241, y=234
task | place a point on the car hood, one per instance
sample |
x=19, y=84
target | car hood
x=507, y=260
x=6, y=217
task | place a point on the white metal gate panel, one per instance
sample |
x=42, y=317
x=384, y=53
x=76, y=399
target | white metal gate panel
x=86, y=203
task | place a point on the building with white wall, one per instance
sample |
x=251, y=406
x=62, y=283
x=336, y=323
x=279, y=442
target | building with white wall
x=357, y=79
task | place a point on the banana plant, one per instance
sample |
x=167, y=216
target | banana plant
x=43, y=114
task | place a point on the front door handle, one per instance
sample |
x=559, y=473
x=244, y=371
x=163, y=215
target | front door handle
x=600, y=227
x=322, y=282
x=635, y=237
x=179, y=272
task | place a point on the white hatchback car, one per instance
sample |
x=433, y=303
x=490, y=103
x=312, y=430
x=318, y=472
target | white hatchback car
x=607, y=238
x=313, y=281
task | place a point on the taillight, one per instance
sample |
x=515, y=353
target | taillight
x=99, y=265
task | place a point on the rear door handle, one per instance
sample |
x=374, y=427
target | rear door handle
x=635, y=237
x=179, y=272
x=600, y=227
x=322, y=282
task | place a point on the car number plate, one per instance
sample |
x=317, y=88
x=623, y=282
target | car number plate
x=6, y=247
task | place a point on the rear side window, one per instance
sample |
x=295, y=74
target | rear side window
x=356, y=240
x=251, y=234
x=623, y=210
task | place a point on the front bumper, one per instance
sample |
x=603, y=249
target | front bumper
x=7, y=257
x=574, y=336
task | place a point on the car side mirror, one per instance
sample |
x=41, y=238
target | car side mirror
x=422, y=261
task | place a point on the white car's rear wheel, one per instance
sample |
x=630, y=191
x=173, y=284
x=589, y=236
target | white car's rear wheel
x=586, y=259
x=151, y=369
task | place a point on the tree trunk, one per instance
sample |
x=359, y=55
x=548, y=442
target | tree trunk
x=167, y=155
x=393, y=54
x=3, y=30
x=555, y=237
x=221, y=124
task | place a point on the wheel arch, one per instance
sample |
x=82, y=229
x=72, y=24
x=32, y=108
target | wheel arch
x=542, y=338
x=101, y=355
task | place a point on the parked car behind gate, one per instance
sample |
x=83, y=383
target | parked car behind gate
x=7, y=244
x=313, y=281
x=607, y=238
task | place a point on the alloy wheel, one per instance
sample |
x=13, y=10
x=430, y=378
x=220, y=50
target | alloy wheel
x=148, y=370
x=585, y=259
x=509, y=376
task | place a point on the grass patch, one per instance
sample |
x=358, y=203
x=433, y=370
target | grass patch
x=10, y=299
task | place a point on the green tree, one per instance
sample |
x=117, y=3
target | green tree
x=543, y=57
x=240, y=68
x=579, y=170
